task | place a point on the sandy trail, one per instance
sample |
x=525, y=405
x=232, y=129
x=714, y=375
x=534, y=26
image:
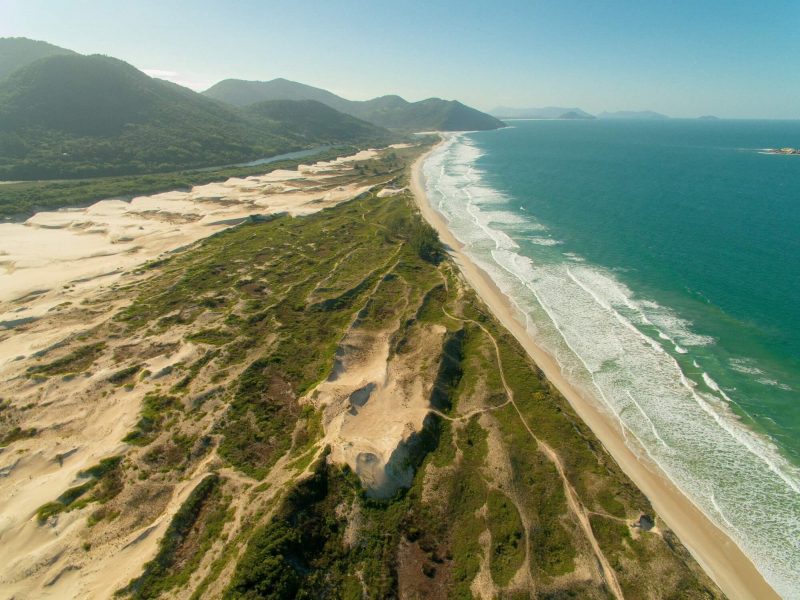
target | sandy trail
x=575, y=505
x=721, y=558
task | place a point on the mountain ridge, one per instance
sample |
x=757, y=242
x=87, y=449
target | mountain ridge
x=632, y=114
x=16, y=52
x=390, y=111
x=545, y=112
x=70, y=115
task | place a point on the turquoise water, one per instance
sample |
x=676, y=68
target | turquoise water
x=659, y=262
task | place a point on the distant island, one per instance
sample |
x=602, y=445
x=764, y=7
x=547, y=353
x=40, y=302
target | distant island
x=559, y=112
x=786, y=151
x=708, y=118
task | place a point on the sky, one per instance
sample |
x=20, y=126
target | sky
x=683, y=58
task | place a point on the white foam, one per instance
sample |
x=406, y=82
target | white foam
x=774, y=383
x=542, y=241
x=597, y=329
x=746, y=366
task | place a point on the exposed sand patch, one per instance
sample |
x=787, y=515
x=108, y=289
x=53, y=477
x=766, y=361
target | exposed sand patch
x=374, y=405
x=483, y=585
x=386, y=192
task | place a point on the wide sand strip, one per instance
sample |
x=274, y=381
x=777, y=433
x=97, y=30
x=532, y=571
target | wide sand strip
x=722, y=559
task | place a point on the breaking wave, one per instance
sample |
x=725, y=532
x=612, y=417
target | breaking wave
x=631, y=354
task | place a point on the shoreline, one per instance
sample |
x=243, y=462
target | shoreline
x=714, y=550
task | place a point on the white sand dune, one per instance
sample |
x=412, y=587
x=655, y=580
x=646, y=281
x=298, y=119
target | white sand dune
x=53, y=267
x=66, y=255
x=375, y=404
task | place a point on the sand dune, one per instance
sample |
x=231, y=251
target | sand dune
x=64, y=256
x=53, y=269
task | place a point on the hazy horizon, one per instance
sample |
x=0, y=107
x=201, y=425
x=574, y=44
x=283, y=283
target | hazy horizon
x=725, y=59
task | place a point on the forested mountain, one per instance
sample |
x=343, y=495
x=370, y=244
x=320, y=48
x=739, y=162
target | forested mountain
x=243, y=93
x=386, y=111
x=316, y=121
x=73, y=115
x=18, y=52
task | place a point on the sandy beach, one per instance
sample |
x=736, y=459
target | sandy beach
x=722, y=559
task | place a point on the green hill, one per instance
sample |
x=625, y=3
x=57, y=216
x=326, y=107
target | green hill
x=386, y=111
x=18, y=52
x=77, y=116
x=316, y=122
x=245, y=93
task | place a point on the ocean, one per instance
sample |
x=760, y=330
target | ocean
x=659, y=263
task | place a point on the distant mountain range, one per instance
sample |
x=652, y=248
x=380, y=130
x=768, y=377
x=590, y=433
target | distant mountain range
x=547, y=112
x=392, y=112
x=559, y=112
x=632, y=114
x=66, y=115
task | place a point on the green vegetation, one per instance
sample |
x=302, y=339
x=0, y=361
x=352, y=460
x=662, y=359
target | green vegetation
x=73, y=116
x=212, y=337
x=76, y=361
x=192, y=531
x=261, y=418
x=155, y=408
x=387, y=111
x=508, y=540
x=21, y=200
x=302, y=552
x=125, y=376
x=17, y=433
x=316, y=121
x=18, y=52
x=104, y=483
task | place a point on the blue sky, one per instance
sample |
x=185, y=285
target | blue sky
x=732, y=59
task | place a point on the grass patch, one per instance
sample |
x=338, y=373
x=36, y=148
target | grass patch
x=191, y=533
x=76, y=361
x=155, y=409
x=125, y=376
x=105, y=481
x=508, y=537
x=212, y=337
x=17, y=433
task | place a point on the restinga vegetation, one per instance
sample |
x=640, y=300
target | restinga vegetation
x=321, y=407
x=20, y=200
x=392, y=112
